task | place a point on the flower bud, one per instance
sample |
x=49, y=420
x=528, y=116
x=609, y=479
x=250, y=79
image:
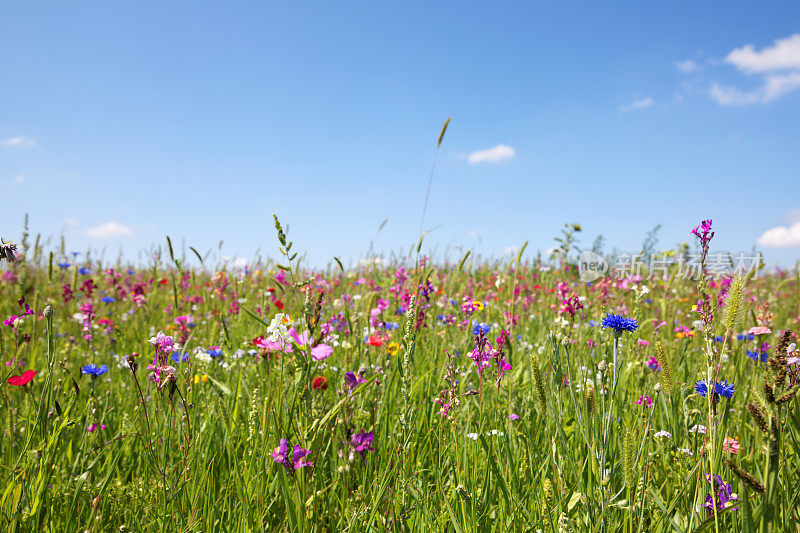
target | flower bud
x=48, y=312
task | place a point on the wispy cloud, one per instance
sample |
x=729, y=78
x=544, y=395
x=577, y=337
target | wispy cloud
x=779, y=64
x=686, y=66
x=108, y=230
x=18, y=142
x=495, y=154
x=644, y=103
x=19, y=178
x=781, y=237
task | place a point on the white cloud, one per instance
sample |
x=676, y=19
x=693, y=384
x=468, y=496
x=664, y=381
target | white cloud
x=776, y=85
x=638, y=104
x=492, y=155
x=108, y=230
x=686, y=66
x=779, y=63
x=71, y=222
x=19, y=179
x=783, y=55
x=18, y=142
x=731, y=95
x=781, y=237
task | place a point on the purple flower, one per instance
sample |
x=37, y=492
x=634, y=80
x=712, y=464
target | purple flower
x=362, y=443
x=298, y=459
x=512, y=416
x=725, y=495
x=280, y=453
x=353, y=380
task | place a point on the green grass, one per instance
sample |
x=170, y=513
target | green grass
x=195, y=456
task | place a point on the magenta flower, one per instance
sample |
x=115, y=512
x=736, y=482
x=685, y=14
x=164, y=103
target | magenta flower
x=362, y=443
x=298, y=458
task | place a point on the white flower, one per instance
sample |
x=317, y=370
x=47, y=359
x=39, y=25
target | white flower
x=473, y=436
x=277, y=329
x=701, y=428
x=663, y=434
x=203, y=357
x=685, y=451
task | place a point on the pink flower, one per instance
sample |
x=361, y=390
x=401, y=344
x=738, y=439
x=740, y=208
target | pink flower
x=759, y=330
x=731, y=445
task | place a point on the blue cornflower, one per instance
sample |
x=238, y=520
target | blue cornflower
x=391, y=325
x=179, y=357
x=130, y=272
x=592, y=323
x=108, y=299
x=745, y=337
x=94, y=370
x=619, y=323
x=755, y=356
x=724, y=389
x=84, y=270
x=648, y=300
x=214, y=351
x=62, y=266
x=478, y=327
x=718, y=339
x=721, y=388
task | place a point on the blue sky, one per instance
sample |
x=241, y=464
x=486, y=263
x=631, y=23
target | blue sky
x=126, y=121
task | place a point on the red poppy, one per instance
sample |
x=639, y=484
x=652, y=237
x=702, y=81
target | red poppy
x=374, y=341
x=278, y=304
x=26, y=376
x=163, y=281
x=319, y=382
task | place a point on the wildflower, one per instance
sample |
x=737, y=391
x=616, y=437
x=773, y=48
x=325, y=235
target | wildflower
x=698, y=428
x=319, y=383
x=392, y=348
x=23, y=379
x=94, y=370
x=513, y=416
x=721, y=388
x=93, y=427
x=353, y=380
x=755, y=355
x=478, y=327
x=84, y=271
x=725, y=495
x=653, y=364
x=179, y=357
x=374, y=340
x=297, y=460
x=214, y=351
x=473, y=436
x=731, y=445
x=107, y=299
x=619, y=323
x=644, y=400
x=362, y=443
x=663, y=434
x=759, y=330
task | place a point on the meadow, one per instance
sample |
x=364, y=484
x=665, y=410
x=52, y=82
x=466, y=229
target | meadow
x=405, y=395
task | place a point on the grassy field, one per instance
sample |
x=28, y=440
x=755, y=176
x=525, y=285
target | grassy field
x=473, y=396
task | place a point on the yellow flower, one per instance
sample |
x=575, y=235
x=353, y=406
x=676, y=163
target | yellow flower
x=196, y=379
x=478, y=305
x=205, y=378
x=392, y=348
